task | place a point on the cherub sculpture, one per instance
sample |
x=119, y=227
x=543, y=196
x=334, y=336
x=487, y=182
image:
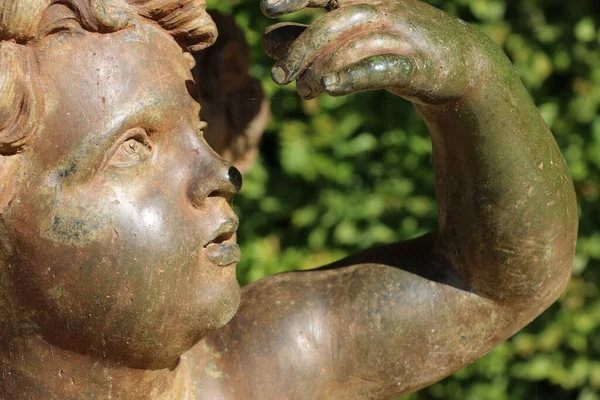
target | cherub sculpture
x=117, y=239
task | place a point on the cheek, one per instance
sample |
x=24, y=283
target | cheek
x=73, y=224
x=120, y=258
x=100, y=240
x=119, y=242
x=151, y=227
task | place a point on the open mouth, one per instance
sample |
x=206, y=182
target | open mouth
x=222, y=250
x=222, y=238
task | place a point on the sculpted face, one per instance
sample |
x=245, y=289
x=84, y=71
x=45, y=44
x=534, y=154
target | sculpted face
x=122, y=231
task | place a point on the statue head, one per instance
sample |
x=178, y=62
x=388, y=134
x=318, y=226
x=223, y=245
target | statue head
x=116, y=231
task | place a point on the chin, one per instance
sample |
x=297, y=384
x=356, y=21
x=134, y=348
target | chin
x=151, y=337
x=231, y=306
x=158, y=347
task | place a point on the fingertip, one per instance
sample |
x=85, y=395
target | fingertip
x=277, y=8
x=335, y=84
x=271, y=8
x=330, y=80
x=279, y=75
x=304, y=92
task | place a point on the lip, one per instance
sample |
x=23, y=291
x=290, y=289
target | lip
x=222, y=249
x=224, y=232
x=223, y=254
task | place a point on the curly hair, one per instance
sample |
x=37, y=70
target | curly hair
x=186, y=20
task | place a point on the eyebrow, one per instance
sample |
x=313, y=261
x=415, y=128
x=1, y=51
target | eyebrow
x=48, y=22
x=120, y=124
x=100, y=143
x=143, y=106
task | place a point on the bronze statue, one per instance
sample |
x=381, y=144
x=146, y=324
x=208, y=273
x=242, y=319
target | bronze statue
x=118, y=254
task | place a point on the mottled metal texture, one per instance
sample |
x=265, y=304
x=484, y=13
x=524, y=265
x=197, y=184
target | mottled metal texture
x=117, y=239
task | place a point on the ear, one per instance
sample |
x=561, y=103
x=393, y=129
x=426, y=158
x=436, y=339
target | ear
x=17, y=103
x=17, y=116
x=19, y=18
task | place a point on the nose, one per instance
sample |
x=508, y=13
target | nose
x=229, y=183
x=215, y=178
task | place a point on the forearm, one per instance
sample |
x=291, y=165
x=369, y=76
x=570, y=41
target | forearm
x=507, y=211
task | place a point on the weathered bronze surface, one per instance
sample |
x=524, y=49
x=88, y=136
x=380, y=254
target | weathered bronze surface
x=117, y=240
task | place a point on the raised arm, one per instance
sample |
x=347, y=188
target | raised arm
x=389, y=321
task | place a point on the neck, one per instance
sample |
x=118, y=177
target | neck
x=31, y=368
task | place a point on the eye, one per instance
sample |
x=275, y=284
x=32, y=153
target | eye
x=134, y=150
x=59, y=19
x=68, y=26
x=201, y=127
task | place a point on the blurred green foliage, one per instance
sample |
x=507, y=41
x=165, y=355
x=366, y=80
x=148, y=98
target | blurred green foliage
x=341, y=174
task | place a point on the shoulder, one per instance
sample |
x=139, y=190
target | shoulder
x=275, y=346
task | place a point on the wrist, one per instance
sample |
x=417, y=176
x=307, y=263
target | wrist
x=493, y=78
x=495, y=93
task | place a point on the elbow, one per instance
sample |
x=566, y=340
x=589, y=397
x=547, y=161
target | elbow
x=529, y=304
x=535, y=284
x=530, y=273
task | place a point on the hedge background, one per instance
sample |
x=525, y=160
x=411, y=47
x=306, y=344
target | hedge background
x=339, y=175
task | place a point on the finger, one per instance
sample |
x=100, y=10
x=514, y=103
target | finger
x=309, y=85
x=278, y=38
x=328, y=32
x=386, y=71
x=276, y=8
x=370, y=44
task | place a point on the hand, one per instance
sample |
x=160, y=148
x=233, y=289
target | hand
x=405, y=46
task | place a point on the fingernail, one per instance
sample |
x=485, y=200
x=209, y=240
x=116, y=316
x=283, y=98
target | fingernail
x=278, y=75
x=330, y=80
x=303, y=91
